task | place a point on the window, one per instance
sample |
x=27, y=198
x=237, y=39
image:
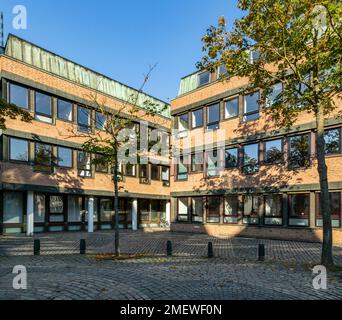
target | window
x=84, y=119
x=13, y=207
x=231, y=108
x=213, y=213
x=231, y=158
x=43, y=107
x=197, y=118
x=273, y=210
x=145, y=209
x=130, y=170
x=100, y=166
x=299, y=209
x=251, y=158
x=273, y=151
x=299, y=151
x=274, y=95
x=39, y=208
x=144, y=174
x=182, y=168
x=56, y=204
x=221, y=71
x=18, y=149
x=335, y=207
x=106, y=210
x=231, y=209
x=155, y=172
x=197, y=162
x=166, y=176
x=183, y=211
x=213, y=119
x=18, y=95
x=332, y=141
x=251, y=106
x=204, y=78
x=197, y=209
x=84, y=164
x=64, y=110
x=251, y=207
x=43, y=157
x=212, y=163
x=100, y=120
x=183, y=122
x=74, y=209
x=64, y=156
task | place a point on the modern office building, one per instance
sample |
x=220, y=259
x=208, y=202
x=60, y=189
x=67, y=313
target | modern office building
x=238, y=174
x=47, y=182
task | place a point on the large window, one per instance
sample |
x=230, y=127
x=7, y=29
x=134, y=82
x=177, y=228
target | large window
x=273, y=151
x=231, y=158
x=56, y=205
x=106, y=210
x=84, y=164
x=64, y=110
x=100, y=121
x=13, y=207
x=183, y=210
x=197, y=118
x=19, y=96
x=39, y=208
x=43, y=107
x=18, y=149
x=84, y=119
x=231, y=209
x=155, y=174
x=274, y=95
x=213, y=117
x=183, y=123
x=251, y=106
x=332, y=141
x=335, y=207
x=74, y=209
x=299, y=209
x=64, y=157
x=182, y=168
x=251, y=158
x=213, y=209
x=203, y=78
x=197, y=162
x=273, y=210
x=251, y=207
x=231, y=108
x=43, y=157
x=212, y=160
x=299, y=151
x=197, y=209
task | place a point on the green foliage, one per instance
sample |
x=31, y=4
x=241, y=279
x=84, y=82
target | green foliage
x=8, y=110
x=300, y=38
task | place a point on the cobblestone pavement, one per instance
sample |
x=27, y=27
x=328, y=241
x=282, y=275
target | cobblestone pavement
x=234, y=273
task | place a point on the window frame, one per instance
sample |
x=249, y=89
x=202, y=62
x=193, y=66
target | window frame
x=192, y=210
x=237, y=158
x=214, y=123
x=243, y=165
x=72, y=158
x=293, y=217
x=199, y=166
x=188, y=210
x=235, y=216
x=9, y=92
x=245, y=113
x=290, y=166
x=40, y=166
x=10, y=148
x=265, y=162
x=219, y=198
x=278, y=216
x=237, y=111
x=192, y=118
x=181, y=160
x=199, y=84
x=42, y=114
x=339, y=143
x=80, y=126
x=158, y=177
x=72, y=110
x=318, y=214
x=79, y=169
x=97, y=168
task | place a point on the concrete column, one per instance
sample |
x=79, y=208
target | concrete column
x=135, y=214
x=91, y=215
x=312, y=222
x=30, y=214
x=168, y=213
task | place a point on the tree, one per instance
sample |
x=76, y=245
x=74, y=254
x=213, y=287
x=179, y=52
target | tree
x=9, y=110
x=110, y=145
x=295, y=44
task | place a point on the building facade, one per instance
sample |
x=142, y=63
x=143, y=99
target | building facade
x=237, y=173
x=47, y=182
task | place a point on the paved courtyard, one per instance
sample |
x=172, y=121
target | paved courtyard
x=62, y=273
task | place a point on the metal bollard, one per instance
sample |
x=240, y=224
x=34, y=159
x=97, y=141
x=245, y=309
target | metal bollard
x=210, y=250
x=169, y=248
x=261, y=252
x=82, y=246
x=36, y=247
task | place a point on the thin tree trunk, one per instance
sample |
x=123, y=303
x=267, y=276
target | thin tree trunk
x=116, y=210
x=327, y=255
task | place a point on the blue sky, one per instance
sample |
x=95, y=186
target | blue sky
x=122, y=38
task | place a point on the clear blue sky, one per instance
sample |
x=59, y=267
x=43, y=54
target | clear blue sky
x=121, y=38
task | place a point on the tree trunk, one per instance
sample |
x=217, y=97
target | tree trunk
x=116, y=211
x=327, y=255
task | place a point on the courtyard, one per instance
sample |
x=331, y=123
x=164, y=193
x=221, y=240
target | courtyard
x=234, y=273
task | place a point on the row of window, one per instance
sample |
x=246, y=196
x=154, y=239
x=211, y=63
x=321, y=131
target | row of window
x=255, y=209
x=250, y=156
x=44, y=160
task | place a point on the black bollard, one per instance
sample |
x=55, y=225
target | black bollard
x=82, y=246
x=261, y=252
x=169, y=248
x=36, y=247
x=210, y=250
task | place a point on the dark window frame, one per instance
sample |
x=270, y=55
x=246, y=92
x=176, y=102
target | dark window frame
x=188, y=210
x=181, y=160
x=245, y=113
x=214, y=123
x=289, y=157
x=42, y=167
x=72, y=110
x=265, y=161
x=340, y=141
x=199, y=167
x=80, y=127
x=219, y=198
x=72, y=158
x=234, y=215
x=27, y=94
x=98, y=169
x=237, y=159
x=225, y=118
x=10, y=148
x=42, y=114
x=243, y=165
x=192, y=118
x=158, y=177
x=199, y=84
x=192, y=214
x=293, y=217
x=80, y=169
x=318, y=214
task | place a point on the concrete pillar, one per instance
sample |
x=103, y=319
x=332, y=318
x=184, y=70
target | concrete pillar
x=30, y=214
x=168, y=213
x=135, y=214
x=91, y=215
x=312, y=222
